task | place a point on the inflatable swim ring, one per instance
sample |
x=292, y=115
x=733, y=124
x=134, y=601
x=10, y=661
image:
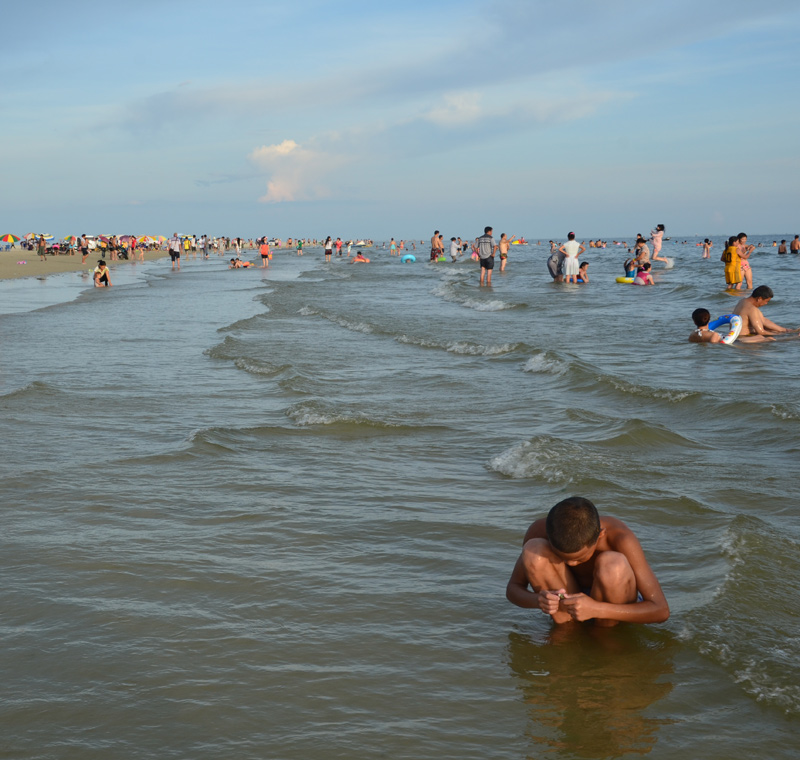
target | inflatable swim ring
x=735, y=322
x=627, y=280
x=408, y=258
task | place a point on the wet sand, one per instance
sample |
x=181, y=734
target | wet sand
x=10, y=268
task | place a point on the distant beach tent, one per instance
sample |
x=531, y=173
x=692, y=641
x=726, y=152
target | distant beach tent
x=9, y=238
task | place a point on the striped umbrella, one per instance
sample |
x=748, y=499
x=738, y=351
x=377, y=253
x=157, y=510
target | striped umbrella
x=146, y=239
x=37, y=235
x=9, y=238
x=71, y=239
x=127, y=238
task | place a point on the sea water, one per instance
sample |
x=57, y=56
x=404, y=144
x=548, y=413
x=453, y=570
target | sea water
x=272, y=513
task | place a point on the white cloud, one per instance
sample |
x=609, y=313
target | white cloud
x=295, y=173
x=458, y=108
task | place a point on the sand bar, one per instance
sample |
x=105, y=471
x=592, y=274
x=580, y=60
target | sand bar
x=10, y=268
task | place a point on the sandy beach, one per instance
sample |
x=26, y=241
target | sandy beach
x=10, y=268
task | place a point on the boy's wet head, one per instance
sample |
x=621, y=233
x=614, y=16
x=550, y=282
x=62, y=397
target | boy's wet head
x=701, y=317
x=573, y=524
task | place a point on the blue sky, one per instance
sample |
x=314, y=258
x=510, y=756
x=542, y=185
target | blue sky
x=369, y=119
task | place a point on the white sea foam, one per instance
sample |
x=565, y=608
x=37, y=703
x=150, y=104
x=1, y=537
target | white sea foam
x=447, y=292
x=458, y=347
x=542, y=363
x=498, y=305
x=258, y=367
x=544, y=458
x=473, y=349
x=307, y=311
x=361, y=327
x=785, y=412
x=674, y=396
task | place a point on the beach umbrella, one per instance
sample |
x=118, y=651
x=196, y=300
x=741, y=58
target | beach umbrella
x=146, y=239
x=9, y=238
x=161, y=239
x=71, y=239
x=127, y=238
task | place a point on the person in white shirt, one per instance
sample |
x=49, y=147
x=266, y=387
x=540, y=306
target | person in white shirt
x=175, y=250
x=571, y=250
x=454, y=248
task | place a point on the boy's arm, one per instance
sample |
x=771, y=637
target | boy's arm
x=517, y=592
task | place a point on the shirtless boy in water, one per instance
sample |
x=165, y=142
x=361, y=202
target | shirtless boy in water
x=753, y=321
x=582, y=566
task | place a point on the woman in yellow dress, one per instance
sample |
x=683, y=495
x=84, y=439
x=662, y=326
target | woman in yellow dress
x=733, y=268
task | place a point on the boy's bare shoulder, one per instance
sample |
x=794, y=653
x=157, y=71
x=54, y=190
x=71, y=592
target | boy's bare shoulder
x=616, y=531
x=537, y=529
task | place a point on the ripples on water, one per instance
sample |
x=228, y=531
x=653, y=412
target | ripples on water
x=273, y=514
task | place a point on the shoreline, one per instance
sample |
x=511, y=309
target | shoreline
x=11, y=270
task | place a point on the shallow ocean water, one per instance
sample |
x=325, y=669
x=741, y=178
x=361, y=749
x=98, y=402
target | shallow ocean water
x=272, y=514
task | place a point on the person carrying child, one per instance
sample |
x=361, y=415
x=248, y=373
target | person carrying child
x=583, y=566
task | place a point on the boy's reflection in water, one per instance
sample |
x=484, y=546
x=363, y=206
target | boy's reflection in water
x=589, y=688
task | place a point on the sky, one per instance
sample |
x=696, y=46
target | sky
x=357, y=118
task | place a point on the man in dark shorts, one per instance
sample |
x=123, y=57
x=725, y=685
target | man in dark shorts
x=487, y=248
x=84, y=245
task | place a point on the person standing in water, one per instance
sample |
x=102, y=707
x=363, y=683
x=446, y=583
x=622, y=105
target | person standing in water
x=435, y=243
x=733, y=269
x=486, y=251
x=657, y=236
x=454, y=249
x=707, y=244
x=744, y=254
x=504, y=245
x=571, y=250
x=265, y=253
